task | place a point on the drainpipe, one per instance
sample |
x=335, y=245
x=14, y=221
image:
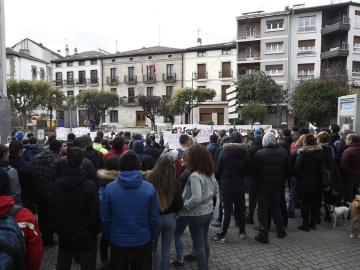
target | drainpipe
x=102, y=74
x=182, y=70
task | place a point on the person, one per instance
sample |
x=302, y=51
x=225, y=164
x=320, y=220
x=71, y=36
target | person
x=14, y=187
x=163, y=177
x=75, y=212
x=334, y=135
x=150, y=149
x=43, y=172
x=198, y=207
x=147, y=162
x=70, y=139
x=233, y=168
x=19, y=135
x=286, y=140
x=95, y=156
x=309, y=166
x=31, y=150
x=97, y=145
x=350, y=164
x=118, y=147
x=130, y=215
x=214, y=146
x=106, y=176
x=26, y=221
x=270, y=165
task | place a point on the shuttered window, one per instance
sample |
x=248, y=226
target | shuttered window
x=201, y=69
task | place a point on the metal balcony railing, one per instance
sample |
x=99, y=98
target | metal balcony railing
x=129, y=101
x=200, y=76
x=248, y=35
x=149, y=78
x=226, y=74
x=168, y=78
x=81, y=82
x=57, y=83
x=248, y=57
x=130, y=79
x=69, y=82
x=93, y=81
x=112, y=80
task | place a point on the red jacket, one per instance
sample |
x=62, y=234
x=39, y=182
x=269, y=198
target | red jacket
x=29, y=226
x=350, y=160
x=113, y=152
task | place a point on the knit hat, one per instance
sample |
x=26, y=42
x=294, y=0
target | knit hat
x=269, y=139
x=236, y=137
x=4, y=182
x=258, y=131
x=138, y=147
x=129, y=162
x=19, y=136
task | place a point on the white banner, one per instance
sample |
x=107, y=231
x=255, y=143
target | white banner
x=61, y=133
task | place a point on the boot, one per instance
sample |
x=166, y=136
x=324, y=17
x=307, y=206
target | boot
x=305, y=227
x=262, y=238
x=281, y=234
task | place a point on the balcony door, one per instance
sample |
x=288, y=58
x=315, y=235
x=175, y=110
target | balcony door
x=250, y=31
x=201, y=69
x=250, y=52
x=130, y=73
x=226, y=69
x=140, y=119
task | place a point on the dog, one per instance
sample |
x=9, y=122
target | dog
x=354, y=207
x=339, y=212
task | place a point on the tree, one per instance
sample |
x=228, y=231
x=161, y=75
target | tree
x=169, y=110
x=253, y=112
x=53, y=99
x=187, y=99
x=316, y=100
x=97, y=103
x=151, y=106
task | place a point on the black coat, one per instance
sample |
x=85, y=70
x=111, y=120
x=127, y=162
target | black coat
x=270, y=167
x=153, y=151
x=75, y=211
x=95, y=156
x=233, y=166
x=309, y=167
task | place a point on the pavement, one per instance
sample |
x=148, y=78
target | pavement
x=325, y=248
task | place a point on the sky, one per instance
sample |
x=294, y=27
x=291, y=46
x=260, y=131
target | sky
x=93, y=24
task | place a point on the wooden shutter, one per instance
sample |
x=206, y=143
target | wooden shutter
x=306, y=43
x=357, y=12
x=223, y=92
x=306, y=67
x=356, y=39
x=226, y=69
x=202, y=71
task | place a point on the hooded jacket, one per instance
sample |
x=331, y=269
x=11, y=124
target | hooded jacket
x=29, y=226
x=31, y=150
x=146, y=161
x=14, y=186
x=106, y=177
x=74, y=209
x=350, y=160
x=232, y=167
x=114, y=153
x=99, y=147
x=129, y=210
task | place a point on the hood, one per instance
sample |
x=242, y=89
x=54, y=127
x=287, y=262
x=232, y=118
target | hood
x=269, y=139
x=310, y=148
x=71, y=178
x=138, y=147
x=5, y=203
x=32, y=147
x=235, y=149
x=130, y=179
x=106, y=175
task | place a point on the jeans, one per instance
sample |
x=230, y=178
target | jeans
x=166, y=227
x=135, y=258
x=87, y=259
x=292, y=195
x=199, y=230
x=221, y=210
x=181, y=224
x=238, y=200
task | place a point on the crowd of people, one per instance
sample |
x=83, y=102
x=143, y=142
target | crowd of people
x=137, y=192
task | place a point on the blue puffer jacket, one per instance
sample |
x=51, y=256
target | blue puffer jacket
x=129, y=210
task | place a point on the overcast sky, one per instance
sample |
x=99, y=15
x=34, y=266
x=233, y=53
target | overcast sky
x=92, y=24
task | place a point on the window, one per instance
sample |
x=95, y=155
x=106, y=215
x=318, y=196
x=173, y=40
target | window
x=113, y=90
x=357, y=18
x=225, y=51
x=223, y=92
x=356, y=69
x=150, y=70
x=58, y=64
x=250, y=31
x=306, y=46
x=274, y=70
x=250, y=71
x=356, y=43
x=34, y=72
x=113, y=74
x=131, y=95
x=70, y=78
x=201, y=53
x=170, y=55
x=112, y=60
x=274, y=47
x=201, y=87
x=82, y=77
x=250, y=52
x=150, y=57
x=58, y=78
x=149, y=91
x=69, y=64
x=169, y=70
x=114, y=116
x=169, y=91
x=131, y=72
x=201, y=71
x=94, y=62
x=70, y=93
x=81, y=63
x=93, y=76
x=226, y=70
x=306, y=71
x=275, y=25
x=307, y=24
x=42, y=74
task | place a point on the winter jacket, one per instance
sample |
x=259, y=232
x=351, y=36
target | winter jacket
x=270, y=166
x=198, y=193
x=106, y=177
x=350, y=160
x=14, y=186
x=254, y=147
x=99, y=147
x=30, y=151
x=309, y=167
x=233, y=166
x=286, y=144
x=152, y=151
x=95, y=156
x=74, y=210
x=29, y=226
x=114, y=153
x=129, y=210
x=213, y=149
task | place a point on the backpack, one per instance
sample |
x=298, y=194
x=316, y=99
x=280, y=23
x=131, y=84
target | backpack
x=12, y=246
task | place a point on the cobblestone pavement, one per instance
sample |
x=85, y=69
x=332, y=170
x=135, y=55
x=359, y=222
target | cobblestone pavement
x=325, y=248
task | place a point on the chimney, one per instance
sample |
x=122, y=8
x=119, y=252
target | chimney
x=66, y=50
x=75, y=51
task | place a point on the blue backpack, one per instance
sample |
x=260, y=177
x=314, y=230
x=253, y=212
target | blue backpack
x=12, y=247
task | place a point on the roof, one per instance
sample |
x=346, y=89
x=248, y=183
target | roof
x=145, y=51
x=40, y=45
x=210, y=47
x=10, y=51
x=80, y=56
x=253, y=15
x=322, y=7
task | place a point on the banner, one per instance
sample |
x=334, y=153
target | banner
x=61, y=132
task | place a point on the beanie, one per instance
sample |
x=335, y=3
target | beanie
x=129, y=161
x=269, y=139
x=19, y=136
x=236, y=137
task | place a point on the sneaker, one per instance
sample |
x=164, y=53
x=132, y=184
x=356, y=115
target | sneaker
x=190, y=257
x=177, y=265
x=219, y=238
x=242, y=236
x=216, y=223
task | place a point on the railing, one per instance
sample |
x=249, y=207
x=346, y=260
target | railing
x=112, y=80
x=227, y=74
x=149, y=78
x=356, y=74
x=248, y=57
x=69, y=82
x=345, y=20
x=57, y=83
x=81, y=82
x=342, y=46
x=130, y=79
x=93, y=81
x=246, y=35
x=169, y=77
x=129, y=101
x=306, y=76
x=200, y=76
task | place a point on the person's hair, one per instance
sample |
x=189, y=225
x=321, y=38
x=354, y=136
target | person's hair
x=148, y=141
x=87, y=141
x=29, y=135
x=295, y=129
x=118, y=143
x=236, y=137
x=79, y=142
x=163, y=177
x=25, y=141
x=51, y=139
x=127, y=134
x=113, y=164
x=98, y=139
x=100, y=134
x=33, y=140
x=310, y=139
x=183, y=139
x=15, y=148
x=71, y=137
x=323, y=136
x=300, y=141
x=287, y=132
x=200, y=160
x=55, y=146
x=3, y=151
x=129, y=161
x=354, y=138
x=213, y=138
x=222, y=133
x=334, y=128
x=75, y=157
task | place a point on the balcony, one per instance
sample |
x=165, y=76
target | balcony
x=81, y=82
x=129, y=101
x=57, y=83
x=93, y=82
x=112, y=80
x=69, y=83
x=169, y=78
x=342, y=24
x=340, y=51
x=304, y=77
x=356, y=74
x=248, y=35
x=226, y=74
x=200, y=76
x=149, y=78
x=130, y=79
x=248, y=57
